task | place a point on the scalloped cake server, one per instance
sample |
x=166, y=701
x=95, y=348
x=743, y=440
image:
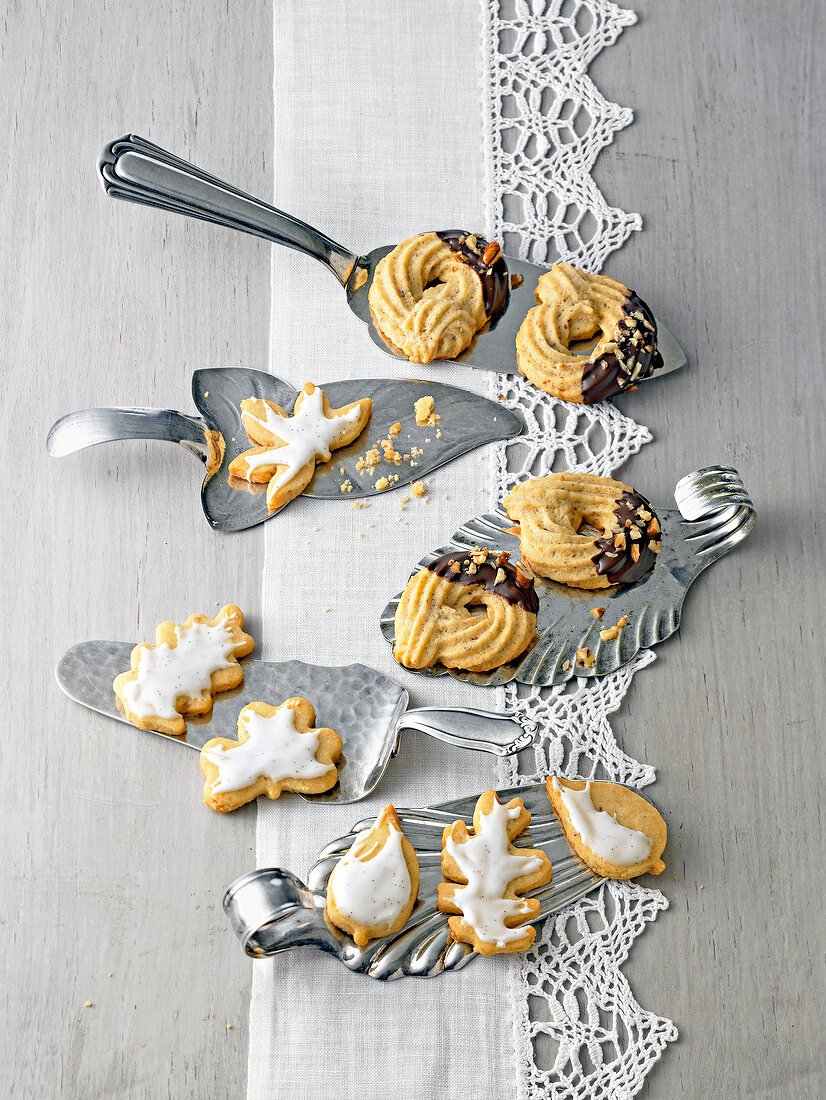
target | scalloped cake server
x=217, y=435
x=271, y=910
x=713, y=515
x=367, y=710
x=136, y=170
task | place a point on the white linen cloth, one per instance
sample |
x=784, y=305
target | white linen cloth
x=378, y=135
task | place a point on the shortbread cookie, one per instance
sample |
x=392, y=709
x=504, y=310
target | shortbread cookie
x=472, y=611
x=277, y=750
x=552, y=511
x=374, y=885
x=290, y=446
x=614, y=830
x=491, y=915
x=431, y=294
x=571, y=306
x=180, y=673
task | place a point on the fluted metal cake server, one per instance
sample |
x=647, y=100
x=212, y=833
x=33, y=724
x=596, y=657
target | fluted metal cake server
x=217, y=435
x=136, y=170
x=367, y=710
x=271, y=910
x=714, y=514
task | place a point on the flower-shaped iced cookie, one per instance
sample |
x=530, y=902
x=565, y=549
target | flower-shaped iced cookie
x=490, y=913
x=180, y=673
x=288, y=447
x=277, y=750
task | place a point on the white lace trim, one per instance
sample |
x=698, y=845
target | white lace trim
x=579, y=1031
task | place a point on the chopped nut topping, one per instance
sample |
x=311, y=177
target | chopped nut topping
x=471, y=242
x=635, y=552
x=491, y=254
x=524, y=576
x=472, y=568
x=517, y=281
x=614, y=631
x=503, y=559
x=619, y=540
x=597, y=612
x=656, y=546
x=501, y=575
x=585, y=658
x=635, y=532
x=653, y=527
x=455, y=565
x=480, y=554
x=566, y=665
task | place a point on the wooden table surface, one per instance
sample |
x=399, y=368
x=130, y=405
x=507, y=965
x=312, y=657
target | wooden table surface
x=110, y=896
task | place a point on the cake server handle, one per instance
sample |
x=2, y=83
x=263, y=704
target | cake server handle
x=499, y=734
x=136, y=170
x=88, y=427
x=271, y=910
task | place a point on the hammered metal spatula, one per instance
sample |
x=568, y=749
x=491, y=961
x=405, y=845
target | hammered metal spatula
x=271, y=910
x=367, y=710
x=216, y=436
x=138, y=171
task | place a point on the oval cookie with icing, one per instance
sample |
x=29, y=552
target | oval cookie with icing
x=611, y=828
x=374, y=885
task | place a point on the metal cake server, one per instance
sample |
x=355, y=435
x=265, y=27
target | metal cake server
x=217, y=435
x=271, y=910
x=367, y=710
x=139, y=171
x=713, y=515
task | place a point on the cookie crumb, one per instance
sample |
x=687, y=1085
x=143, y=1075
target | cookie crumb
x=361, y=503
x=425, y=412
x=566, y=665
x=87, y=1004
x=346, y=486
x=382, y=483
x=418, y=488
x=701, y=887
x=395, y=429
x=325, y=609
x=516, y=281
x=676, y=879
x=597, y=612
x=585, y=658
x=404, y=500
x=229, y=1027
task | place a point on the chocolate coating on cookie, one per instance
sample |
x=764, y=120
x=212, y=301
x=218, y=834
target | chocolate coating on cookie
x=493, y=276
x=615, y=553
x=520, y=595
x=633, y=354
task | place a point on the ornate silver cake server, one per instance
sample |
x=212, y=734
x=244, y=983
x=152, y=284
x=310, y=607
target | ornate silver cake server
x=367, y=710
x=271, y=910
x=138, y=171
x=714, y=514
x=216, y=436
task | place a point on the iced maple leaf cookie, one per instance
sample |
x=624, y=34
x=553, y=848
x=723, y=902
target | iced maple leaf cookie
x=492, y=873
x=278, y=749
x=288, y=447
x=178, y=675
x=611, y=828
x=374, y=885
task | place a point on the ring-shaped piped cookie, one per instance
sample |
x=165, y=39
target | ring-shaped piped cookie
x=619, y=547
x=471, y=611
x=572, y=306
x=433, y=293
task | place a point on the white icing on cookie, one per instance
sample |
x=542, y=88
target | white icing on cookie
x=488, y=866
x=601, y=832
x=275, y=750
x=372, y=892
x=308, y=434
x=166, y=673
